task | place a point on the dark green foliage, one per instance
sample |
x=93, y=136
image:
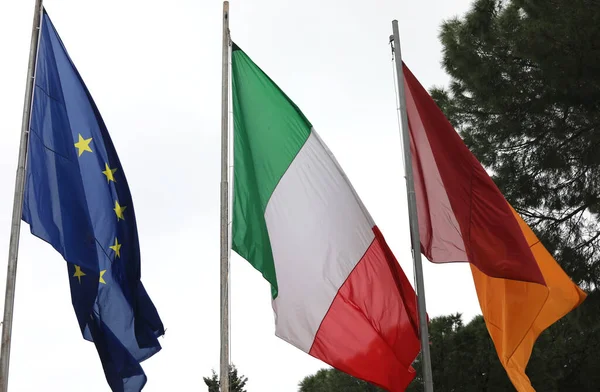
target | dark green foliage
x=525, y=96
x=236, y=382
x=332, y=380
x=463, y=357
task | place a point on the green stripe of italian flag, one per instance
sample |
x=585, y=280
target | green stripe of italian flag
x=338, y=292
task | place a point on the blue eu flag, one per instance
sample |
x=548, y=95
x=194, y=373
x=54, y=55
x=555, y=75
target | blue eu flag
x=77, y=199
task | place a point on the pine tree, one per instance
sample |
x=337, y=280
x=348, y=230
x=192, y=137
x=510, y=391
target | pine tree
x=236, y=382
x=525, y=96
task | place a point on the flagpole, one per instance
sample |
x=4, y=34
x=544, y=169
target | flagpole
x=413, y=217
x=224, y=373
x=13, y=251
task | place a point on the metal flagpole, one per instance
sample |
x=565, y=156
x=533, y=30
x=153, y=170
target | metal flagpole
x=224, y=373
x=13, y=252
x=413, y=217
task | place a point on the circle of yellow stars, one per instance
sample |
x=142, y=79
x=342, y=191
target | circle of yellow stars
x=83, y=145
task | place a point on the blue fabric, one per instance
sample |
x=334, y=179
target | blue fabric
x=71, y=196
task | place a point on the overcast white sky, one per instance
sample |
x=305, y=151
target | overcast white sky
x=154, y=70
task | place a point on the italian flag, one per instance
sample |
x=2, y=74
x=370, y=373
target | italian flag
x=338, y=293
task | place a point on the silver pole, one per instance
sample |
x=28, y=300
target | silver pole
x=413, y=218
x=224, y=376
x=13, y=251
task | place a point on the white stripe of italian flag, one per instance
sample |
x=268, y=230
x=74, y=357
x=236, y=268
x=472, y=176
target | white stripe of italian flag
x=338, y=292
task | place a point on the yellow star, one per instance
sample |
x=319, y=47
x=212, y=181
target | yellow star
x=119, y=210
x=116, y=247
x=78, y=273
x=83, y=145
x=109, y=173
x=101, y=276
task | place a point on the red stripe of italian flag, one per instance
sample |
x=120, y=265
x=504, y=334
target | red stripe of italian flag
x=338, y=292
